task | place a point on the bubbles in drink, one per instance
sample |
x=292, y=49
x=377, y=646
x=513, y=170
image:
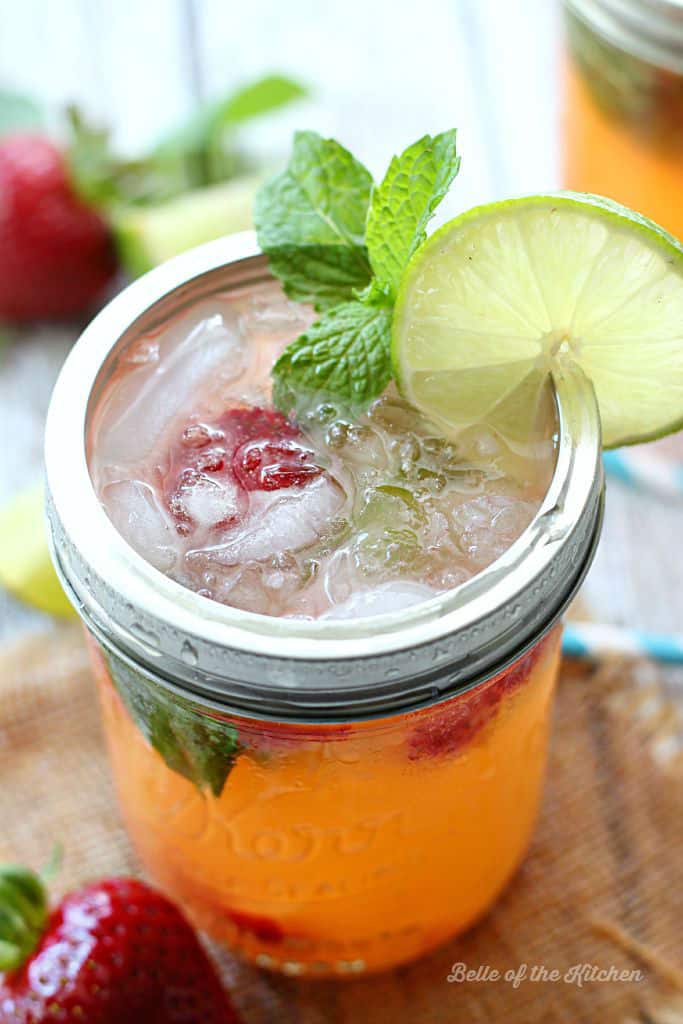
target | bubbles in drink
x=343, y=513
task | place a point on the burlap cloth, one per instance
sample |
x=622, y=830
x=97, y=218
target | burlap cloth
x=601, y=887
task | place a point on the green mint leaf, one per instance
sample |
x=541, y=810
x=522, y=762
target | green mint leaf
x=404, y=203
x=18, y=113
x=322, y=275
x=310, y=221
x=197, y=747
x=345, y=353
x=202, y=144
x=260, y=97
x=93, y=166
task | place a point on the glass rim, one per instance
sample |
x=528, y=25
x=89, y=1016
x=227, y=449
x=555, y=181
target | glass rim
x=651, y=30
x=190, y=638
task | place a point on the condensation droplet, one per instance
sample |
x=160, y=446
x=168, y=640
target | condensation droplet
x=148, y=639
x=189, y=654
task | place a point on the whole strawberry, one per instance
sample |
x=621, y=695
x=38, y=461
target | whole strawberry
x=56, y=253
x=115, y=952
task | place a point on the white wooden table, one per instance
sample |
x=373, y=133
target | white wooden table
x=383, y=72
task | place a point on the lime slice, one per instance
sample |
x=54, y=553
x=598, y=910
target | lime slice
x=25, y=565
x=507, y=292
x=147, y=235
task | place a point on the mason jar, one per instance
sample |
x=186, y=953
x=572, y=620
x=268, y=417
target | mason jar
x=623, y=117
x=325, y=797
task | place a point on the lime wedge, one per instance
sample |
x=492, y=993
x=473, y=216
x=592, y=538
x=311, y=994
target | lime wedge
x=147, y=235
x=507, y=292
x=25, y=565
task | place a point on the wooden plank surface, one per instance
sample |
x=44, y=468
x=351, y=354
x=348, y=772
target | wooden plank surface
x=381, y=74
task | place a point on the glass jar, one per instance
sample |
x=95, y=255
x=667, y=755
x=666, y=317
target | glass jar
x=325, y=797
x=623, y=118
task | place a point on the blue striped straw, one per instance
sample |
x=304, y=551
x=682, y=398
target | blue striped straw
x=645, y=471
x=592, y=641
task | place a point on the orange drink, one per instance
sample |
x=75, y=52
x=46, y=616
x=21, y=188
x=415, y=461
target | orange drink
x=340, y=849
x=624, y=105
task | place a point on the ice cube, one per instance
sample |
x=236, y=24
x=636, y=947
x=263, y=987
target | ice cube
x=271, y=314
x=487, y=525
x=140, y=406
x=210, y=502
x=284, y=520
x=389, y=597
x=139, y=517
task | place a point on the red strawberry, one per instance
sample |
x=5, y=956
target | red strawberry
x=115, y=951
x=447, y=728
x=245, y=449
x=270, y=465
x=56, y=254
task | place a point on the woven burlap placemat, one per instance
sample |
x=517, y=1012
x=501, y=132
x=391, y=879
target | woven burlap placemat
x=601, y=888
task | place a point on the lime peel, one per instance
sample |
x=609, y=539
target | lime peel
x=25, y=565
x=516, y=288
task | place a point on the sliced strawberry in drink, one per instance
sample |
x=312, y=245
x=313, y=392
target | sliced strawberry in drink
x=214, y=466
x=267, y=465
x=447, y=728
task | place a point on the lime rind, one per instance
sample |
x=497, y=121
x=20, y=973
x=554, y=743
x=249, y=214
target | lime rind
x=146, y=236
x=26, y=569
x=542, y=279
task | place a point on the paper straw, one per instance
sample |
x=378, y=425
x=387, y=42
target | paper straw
x=645, y=471
x=591, y=641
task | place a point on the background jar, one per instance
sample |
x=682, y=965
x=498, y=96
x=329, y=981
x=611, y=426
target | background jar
x=326, y=797
x=623, y=116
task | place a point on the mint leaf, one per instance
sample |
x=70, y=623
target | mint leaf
x=211, y=119
x=197, y=747
x=322, y=275
x=404, y=203
x=18, y=113
x=310, y=221
x=260, y=97
x=345, y=353
x=103, y=178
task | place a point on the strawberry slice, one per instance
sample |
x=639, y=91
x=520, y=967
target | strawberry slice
x=266, y=465
x=447, y=728
x=213, y=466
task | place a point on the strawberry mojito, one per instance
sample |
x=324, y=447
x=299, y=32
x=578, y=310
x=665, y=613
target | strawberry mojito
x=323, y=505
x=309, y=835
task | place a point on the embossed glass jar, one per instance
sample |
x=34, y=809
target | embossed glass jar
x=326, y=797
x=624, y=104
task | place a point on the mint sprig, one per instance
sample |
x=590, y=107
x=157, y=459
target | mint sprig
x=202, y=150
x=340, y=243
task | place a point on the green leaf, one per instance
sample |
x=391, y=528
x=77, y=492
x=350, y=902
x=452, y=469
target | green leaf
x=23, y=913
x=105, y=179
x=200, y=748
x=345, y=353
x=404, y=203
x=260, y=97
x=311, y=219
x=323, y=275
x=199, y=141
x=18, y=113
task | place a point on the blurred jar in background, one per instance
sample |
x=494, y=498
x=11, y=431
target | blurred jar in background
x=623, y=130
